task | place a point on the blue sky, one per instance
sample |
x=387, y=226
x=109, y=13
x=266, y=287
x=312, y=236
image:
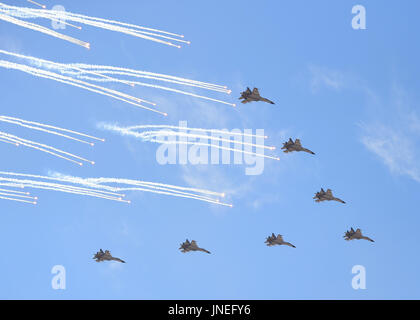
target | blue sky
x=350, y=95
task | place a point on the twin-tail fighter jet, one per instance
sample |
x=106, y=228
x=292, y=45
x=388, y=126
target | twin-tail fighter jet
x=105, y=256
x=355, y=235
x=326, y=196
x=290, y=146
x=277, y=240
x=254, y=95
x=188, y=246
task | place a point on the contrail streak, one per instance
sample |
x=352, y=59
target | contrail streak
x=95, y=182
x=17, y=200
x=149, y=75
x=14, y=191
x=52, y=127
x=22, y=123
x=60, y=66
x=152, y=137
x=166, y=189
x=193, y=129
x=9, y=142
x=43, y=147
x=101, y=71
x=18, y=195
x=215, y=146
x=36, y=3
x=97, y=187
x=130, y=29
x=74, y=82
x=62, y=188
x=72, y=72
x=150, y=134
x=163, y=88
x=39, y=28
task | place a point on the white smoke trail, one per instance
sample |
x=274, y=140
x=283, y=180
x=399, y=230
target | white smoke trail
x=61, y=185
x=163, y=88
x=42, y=29
x=129, y=25
x=140, y=74
x=95, y=186
x=74, y=189
x=17, y=200
x=62, y=188
x=137, y=31
x=61, y=67
x=9, y=142
x=36, y=3
x=97, y=182
x=36, y=71
x=4, y=119
x=54, y=19
x=215, y=146
x=153, y=184
x=101, y=71
x=42, y=147
x=12, y=185
x=18, y=195
x=77, y=83
x=14, y=191
x=52, y=127
x=152, y=137
x=224, y=132
x=150, y=134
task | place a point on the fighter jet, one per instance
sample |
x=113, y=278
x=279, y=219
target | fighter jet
x=355, y=235
x=273, y=240
x=254, y=95
x=290, y=146
x=105, y=256
x=326, y=196
x=191, y=246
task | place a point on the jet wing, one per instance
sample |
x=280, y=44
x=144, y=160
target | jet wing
x=246, y=100
x=255, y=91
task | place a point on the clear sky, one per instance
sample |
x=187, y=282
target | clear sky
x=351, y=96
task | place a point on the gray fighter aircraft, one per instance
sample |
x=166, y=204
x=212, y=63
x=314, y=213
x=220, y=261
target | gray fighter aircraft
x=254, y=95
x=273, y=240
x=191, y=246
x=355, y=235
x=326, y=196
x=290, y=146
x=105, y=256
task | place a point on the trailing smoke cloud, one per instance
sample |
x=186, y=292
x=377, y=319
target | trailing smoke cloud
x=18, y=141
x=82, y=76
x=213, y=136
x=14, y=15
x=105, y=188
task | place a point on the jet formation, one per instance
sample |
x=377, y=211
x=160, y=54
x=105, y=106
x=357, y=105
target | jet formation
x=254, y=95
x=326, y=196
x=273, y=240
x=105, y=256
x=355, y=235
x=188, y=246
x=290, y=146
